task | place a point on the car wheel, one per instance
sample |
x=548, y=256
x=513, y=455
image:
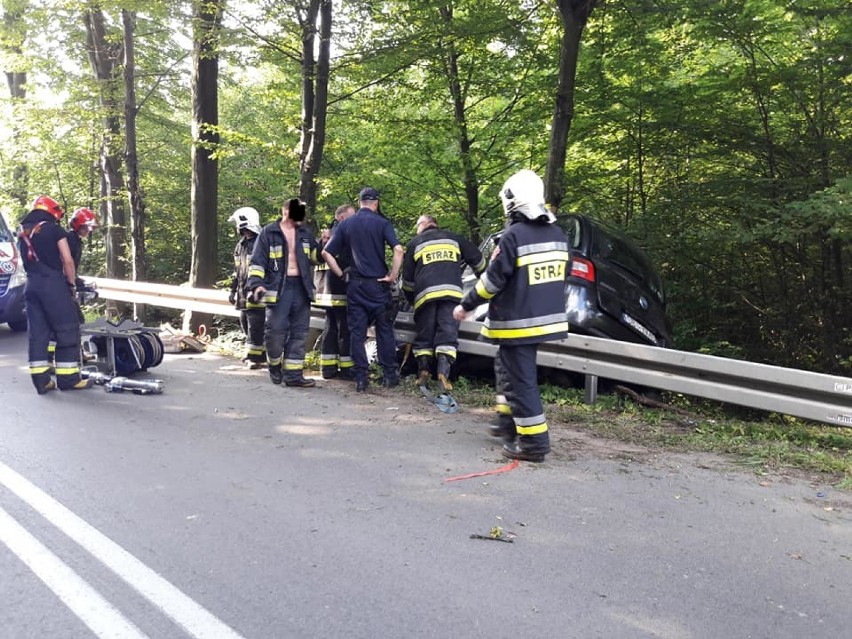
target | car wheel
x=18, y=325
x=372, y=350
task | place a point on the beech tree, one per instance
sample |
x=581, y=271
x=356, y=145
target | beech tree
x=207, y=16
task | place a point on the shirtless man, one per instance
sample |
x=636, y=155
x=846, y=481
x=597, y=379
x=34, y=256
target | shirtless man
x=280, y=274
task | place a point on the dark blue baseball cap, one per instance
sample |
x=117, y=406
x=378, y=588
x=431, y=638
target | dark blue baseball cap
x=368, y=193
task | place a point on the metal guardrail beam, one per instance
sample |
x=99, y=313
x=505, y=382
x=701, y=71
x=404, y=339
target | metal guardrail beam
x=815, y=396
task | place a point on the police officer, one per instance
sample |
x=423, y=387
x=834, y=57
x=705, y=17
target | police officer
x=525, y=287
x=364, y=237
x=280, y=274
x=431, y=281
x=335, y=360
x=50, y=298
x=252, y=313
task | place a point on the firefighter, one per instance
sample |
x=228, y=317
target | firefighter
x=252, y=313
x=335, y=360
x=82, y=223
x=524, y=286
x=431, y=281
x=364, y=237
x=280, y=275
x=50, y=298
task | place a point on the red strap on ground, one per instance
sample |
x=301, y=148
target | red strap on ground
x=502, y=469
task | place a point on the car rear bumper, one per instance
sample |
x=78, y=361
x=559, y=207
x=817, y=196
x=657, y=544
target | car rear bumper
x=12, y=304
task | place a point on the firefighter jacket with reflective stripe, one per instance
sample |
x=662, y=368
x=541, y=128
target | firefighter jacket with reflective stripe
x=268, y=267
x=432, y=266
x=330, y=290
x=239, y=280
x=525, y=286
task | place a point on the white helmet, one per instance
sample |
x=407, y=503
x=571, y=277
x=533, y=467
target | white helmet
x=524, y=193
x=246, y=218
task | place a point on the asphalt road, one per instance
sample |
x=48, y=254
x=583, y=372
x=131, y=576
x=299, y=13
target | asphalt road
x=229, y=507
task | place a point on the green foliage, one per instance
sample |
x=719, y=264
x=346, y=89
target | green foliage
x=715, y=134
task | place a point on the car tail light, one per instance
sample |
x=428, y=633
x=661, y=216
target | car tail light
x=583, y=269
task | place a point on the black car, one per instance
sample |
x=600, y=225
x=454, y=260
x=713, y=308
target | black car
x=613, y=290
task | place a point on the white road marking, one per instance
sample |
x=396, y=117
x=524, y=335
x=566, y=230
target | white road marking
x=84, y=601
x=191, y=616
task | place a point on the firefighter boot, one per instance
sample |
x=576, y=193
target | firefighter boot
x=275, y=373
x=503, y=427
x=424, y=365
x=445, y=363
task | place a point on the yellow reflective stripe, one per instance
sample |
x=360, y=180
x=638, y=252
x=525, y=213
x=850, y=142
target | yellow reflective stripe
x=537, y=429
x=276, y=252
x=434, y=294
x=294, y=364
x=503, y=409
x=36, y=370
x=257, y=271
x=330, y=299
x=71, y=370
x=446, y=350
x=270, y=298
x=346, y=363
x=482, y=291
x=423, y=351
x=253, y=305
x=547, y=256
x=328, y=361
x=517, y=333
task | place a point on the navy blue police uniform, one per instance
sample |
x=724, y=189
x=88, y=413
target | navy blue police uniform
x=363, y=238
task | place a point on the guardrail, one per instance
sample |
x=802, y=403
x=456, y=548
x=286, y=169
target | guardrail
x=815, y=396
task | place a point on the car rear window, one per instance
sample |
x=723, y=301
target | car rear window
x=616, y=250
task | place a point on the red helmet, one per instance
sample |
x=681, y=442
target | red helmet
x=83, y=217
x=45, y=203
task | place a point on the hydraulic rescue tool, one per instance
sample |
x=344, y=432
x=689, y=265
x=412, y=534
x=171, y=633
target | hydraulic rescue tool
x=113, y=384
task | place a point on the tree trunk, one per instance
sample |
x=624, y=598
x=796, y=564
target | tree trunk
x=471, y=181
x=134, y=192
x=574, y=15
x=315, y=76
x=104, y=57
x=207, y=16
x=15, y=32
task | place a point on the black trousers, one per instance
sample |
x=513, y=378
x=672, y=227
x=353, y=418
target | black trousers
x=253, y=321
x=52, y=313
x=334, y=350
x=437, y=331
x=516, y=377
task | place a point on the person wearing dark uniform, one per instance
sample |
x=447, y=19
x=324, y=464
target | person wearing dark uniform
x=82, y=222
x=431, y=281
x=52, y=309
x=335, y=360
x=280, y=275
x=364, y=237
x=252, y=313
x=524, y=286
